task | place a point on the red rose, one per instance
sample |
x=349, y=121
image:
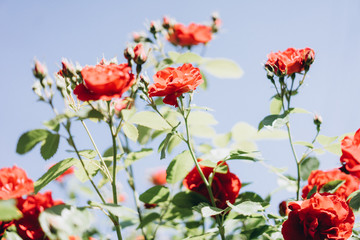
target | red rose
x=225, y=186
x=159, y=177
x=190, y=35
x=104, y=82
x=350, y=147
x=171, y=83
x=14, y=183
x=28, y=227
x=324, y=216
x=290, y=61
x=320, y=178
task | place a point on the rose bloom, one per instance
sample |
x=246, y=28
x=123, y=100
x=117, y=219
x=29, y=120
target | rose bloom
x=159, y=177
x=350, y=147
x=324, y=216
x=69, y=171
x=225, y=186
x=28, y=227
x=193, y=34
x=104, y=82
x=171, y=83
x=290, y=61
x=14, y=183
x=320, y=178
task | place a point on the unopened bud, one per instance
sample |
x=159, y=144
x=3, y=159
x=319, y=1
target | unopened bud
x=68, y=69
x=140, y=56
x=139, y=37
x=317, y=120
x=154, y=27
x=129, y=53
x=166, y=22
x=39, y=70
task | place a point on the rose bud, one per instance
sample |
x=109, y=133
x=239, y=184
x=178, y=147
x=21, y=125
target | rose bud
x=154, y=27
x=317, y=120
x=140, y=56
x=283, y=209
x=39, y=70
x=120, y=104
x=166, y=22
x=129, y=53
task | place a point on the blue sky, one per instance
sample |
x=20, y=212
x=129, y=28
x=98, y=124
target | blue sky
x=85, y=31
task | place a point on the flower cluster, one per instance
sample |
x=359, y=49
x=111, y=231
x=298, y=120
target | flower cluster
x=14, y=184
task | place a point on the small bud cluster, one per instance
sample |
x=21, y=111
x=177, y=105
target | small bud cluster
x=216, y=22
x=42, y=87
x=136, y=54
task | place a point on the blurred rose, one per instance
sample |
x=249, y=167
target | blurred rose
x=14, y=183
x=350, y=158
x=159, y=177
x=193, y=34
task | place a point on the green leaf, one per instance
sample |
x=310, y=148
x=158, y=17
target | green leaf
x=222, y=68
x=89, y=154
x=92, y=166
x=307, y=165
x=155, y=194
x=332, y=186
x=334, y=148
x=9, y=211
x=304, y=143
x=325, y=140
x=222, y=140
x=173, y=55
x=241, y=155
x=134, y=156
x=246, y=208
x=117, y=210
x=275, y=106
x=250, y=196
x=189, y=57
x=299, y=110
x=151, y=217
x=50, y=146
x=28, y=140
x=202, y=131
x=222, y=169
x=209, y=211
x=150, y=120
x=144, y=134
x=130, y=131
x=173, y=142
x=354, y=200
x=62, y=221
x=54, y=172
x=163, y=146
x=202, y=236
x=90, y=113
x=312, y=191
x=274, y=121
x=188, y=199
x=201, y=118
x=179, y=167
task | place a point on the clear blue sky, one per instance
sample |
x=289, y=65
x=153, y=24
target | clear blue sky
x=85, y=31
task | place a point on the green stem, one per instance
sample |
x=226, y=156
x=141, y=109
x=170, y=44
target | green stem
x=296, y=160
x=208, y=186
x=107, y=172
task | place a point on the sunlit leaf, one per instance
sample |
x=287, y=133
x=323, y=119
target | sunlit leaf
x=222, y=68
x=155, y=194
x=179, y=167
x=28, y=140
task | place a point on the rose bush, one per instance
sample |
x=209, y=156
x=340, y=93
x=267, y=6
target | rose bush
x=321, y=217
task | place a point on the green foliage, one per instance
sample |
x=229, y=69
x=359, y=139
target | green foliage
x=246, y=208
x=274, y=121
x=62, y=221
x=92, y=167
x=307, y=165
x=149, y=218
x=312, y=191
x=201, y=118
x=164, y=145
x=241, y=155
x=9, y=211
x=188, y=199
x=208, y=211
x=116, y=210
x=156, y=194
x=54, y=172
x=134, y=156
x=130, y=131
x=275, y=106
x=90, y=113
x=28, y=140
x=222, y=68
x=332, y=186
x=354, y=200
x=150, y=120
x=50, y=146
x=179, y=167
